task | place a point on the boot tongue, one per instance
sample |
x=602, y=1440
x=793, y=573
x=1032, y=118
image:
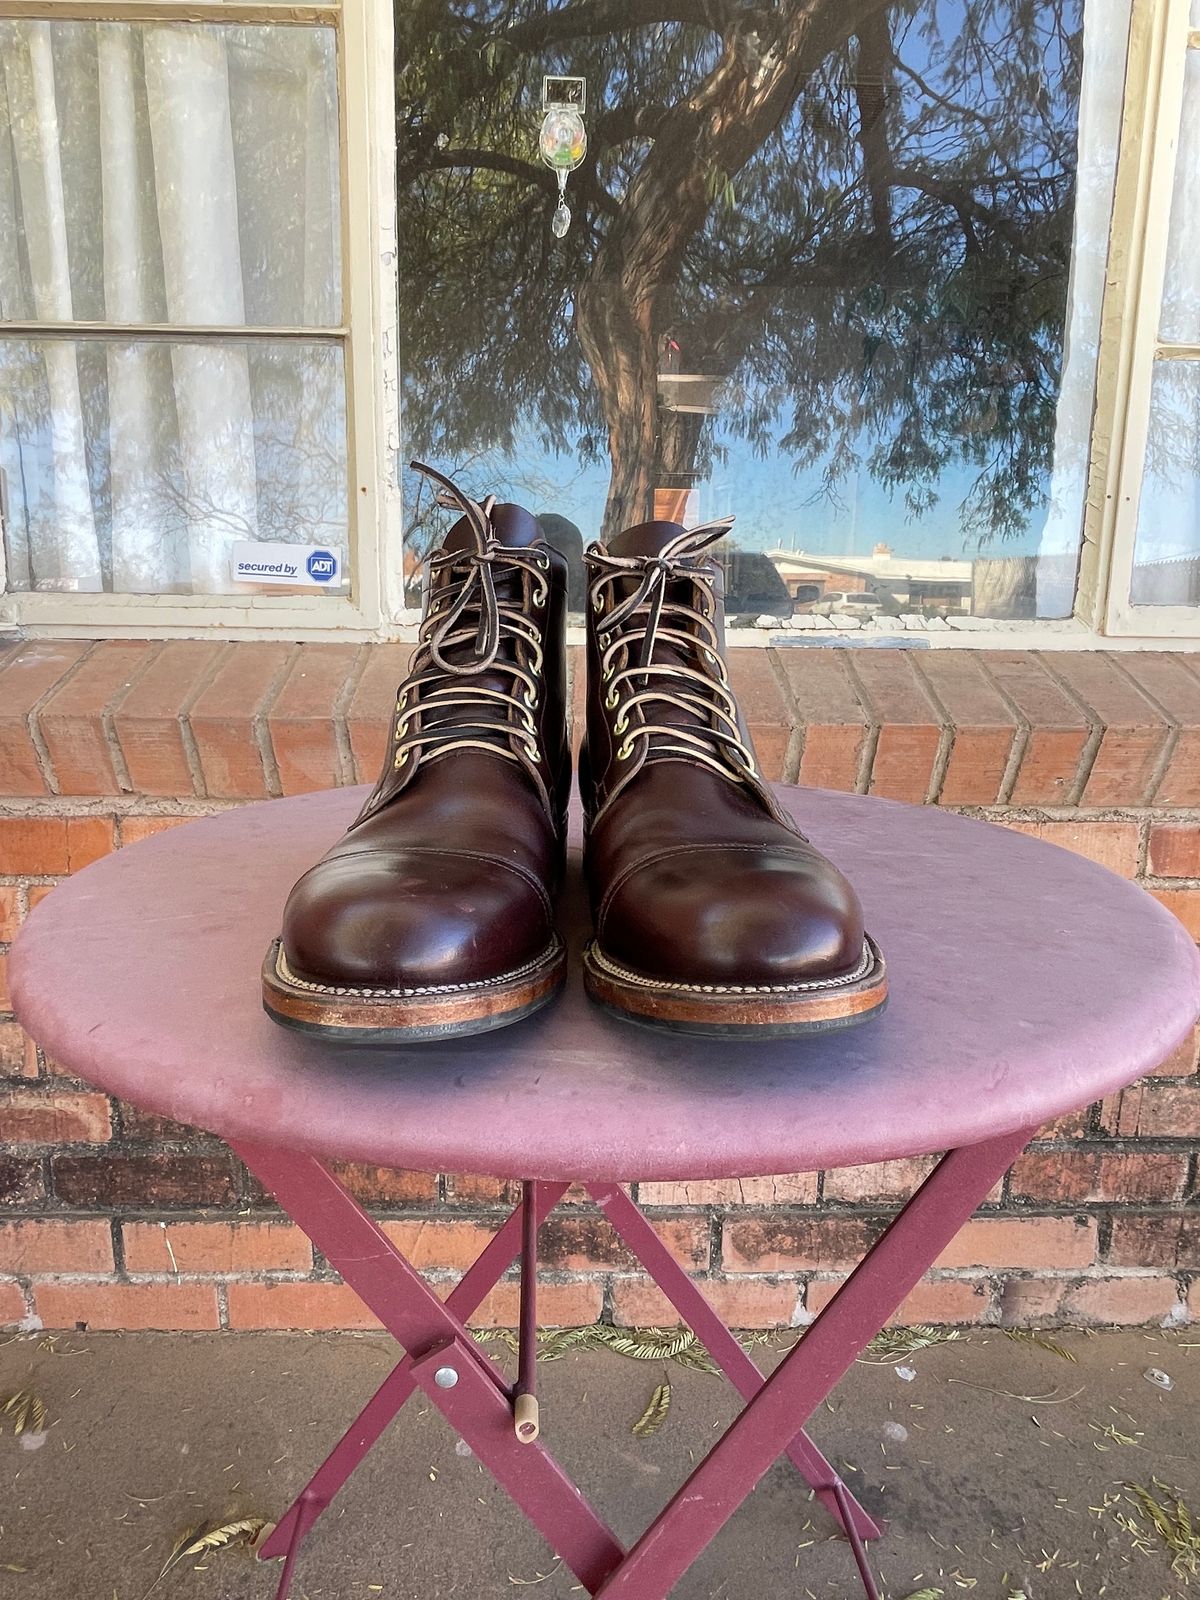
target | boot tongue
x=512, y=526
x=646, y=539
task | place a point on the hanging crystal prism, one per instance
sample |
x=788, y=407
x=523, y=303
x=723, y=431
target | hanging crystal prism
x=561, y=220
x=562, y=142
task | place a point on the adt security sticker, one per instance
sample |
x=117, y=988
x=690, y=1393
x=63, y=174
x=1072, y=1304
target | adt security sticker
x=306, y=566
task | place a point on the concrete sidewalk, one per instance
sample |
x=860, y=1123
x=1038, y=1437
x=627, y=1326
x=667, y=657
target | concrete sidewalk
x=988, y=1456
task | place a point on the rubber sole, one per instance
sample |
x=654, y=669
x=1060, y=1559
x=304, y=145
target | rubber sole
x=348, y=1015
x=730, y=1011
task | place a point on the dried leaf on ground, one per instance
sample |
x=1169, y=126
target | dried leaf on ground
x=1024, y=1336
x=655, y=1414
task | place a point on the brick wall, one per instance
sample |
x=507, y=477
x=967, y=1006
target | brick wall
x=114, y=1218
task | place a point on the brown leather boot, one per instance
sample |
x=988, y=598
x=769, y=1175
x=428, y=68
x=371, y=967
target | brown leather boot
x=712, y=913
x=434, y=915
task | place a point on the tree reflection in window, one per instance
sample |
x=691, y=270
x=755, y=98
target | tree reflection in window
x=833, y=236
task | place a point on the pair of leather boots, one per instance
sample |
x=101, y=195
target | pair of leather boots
x=434, y=914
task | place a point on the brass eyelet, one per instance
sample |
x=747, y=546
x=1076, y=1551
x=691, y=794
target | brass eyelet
x=621, y=725
x=610, y=700
x=624, y=750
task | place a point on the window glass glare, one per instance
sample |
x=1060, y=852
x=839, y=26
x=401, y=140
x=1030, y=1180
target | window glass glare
x=1166, y=556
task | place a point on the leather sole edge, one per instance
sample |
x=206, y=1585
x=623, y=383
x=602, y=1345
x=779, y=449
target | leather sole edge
x=818, y=1006
x=346, y=1015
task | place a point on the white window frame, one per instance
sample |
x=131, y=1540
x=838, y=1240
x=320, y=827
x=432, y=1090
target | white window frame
x=363, y=35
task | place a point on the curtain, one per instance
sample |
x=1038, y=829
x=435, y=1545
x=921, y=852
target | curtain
x=1101, y=98
x=166, y=174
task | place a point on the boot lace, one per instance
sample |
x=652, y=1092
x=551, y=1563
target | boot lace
x=688, y=673
x=477, y=621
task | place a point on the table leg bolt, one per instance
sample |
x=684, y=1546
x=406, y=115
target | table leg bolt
x=525, y=1418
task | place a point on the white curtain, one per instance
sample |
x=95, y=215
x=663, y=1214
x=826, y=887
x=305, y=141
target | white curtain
x=1101, y=97
x=176, y=174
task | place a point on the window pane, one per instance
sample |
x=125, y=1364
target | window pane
x=855, y=301
x=1166, y=555
x=1181, y=288
x=156, y=173
x=136, y=466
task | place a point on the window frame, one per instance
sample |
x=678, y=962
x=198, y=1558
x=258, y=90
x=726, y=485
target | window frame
x=362, y=40
x=1130, y=344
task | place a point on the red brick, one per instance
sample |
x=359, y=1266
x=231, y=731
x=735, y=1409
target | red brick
x=226, y=719
x=740, y=1303
x=45, y=846
x=1154, y=1111
x=1174, y=850
x=25, y=679
x=1028, y=1242
x=12, y=1305
x=18, y=1053
x=369, y=714
x=831, y=715
x=5, y=992
x=1072, y=1125
x=472, y=1188
x=147, y=1125
x=763, y=707
x=386, y=1186
x=1070, y=1177
x=1058, y=730
x=883, y=1180
x=794, y=1189
x=1170, y=681
x=1184, y=904
x=934, y=1300
x=1180, y=1063
x=158, y=1180
x=297, y=1305
x=302, y=720
x=560, y=1305
x=433, y=1245
x=71, y=719
x=1111, y=844
x=1092, y=1301
x=909, y=725
x=1135, y=732
x=88, y=838
x=165, y=1306
x=148, y=721
x=1168, y=1240
x=54, y=1246
x=10, y=911
x=35, y=893
x=984, y=727
x=21, y=1181
x=136, y=828
x=57, y=1116
x=797, y=1244
x=583, y=1243
x=216, y=1247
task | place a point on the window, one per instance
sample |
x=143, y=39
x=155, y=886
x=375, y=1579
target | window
x=848, y=287
x=1154, y=585
x=176, y=371
x=912, y=290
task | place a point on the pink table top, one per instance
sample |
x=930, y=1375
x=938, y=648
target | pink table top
x=1025, y=982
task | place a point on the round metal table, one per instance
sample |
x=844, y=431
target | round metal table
x=1025, y=982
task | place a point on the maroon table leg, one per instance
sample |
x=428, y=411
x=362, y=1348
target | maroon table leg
x=466, y=1296
x=464, y=1385
x=691, y=1304
x=713, y=1492
x=446, y=1364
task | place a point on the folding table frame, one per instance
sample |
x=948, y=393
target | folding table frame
x=499, y=1422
